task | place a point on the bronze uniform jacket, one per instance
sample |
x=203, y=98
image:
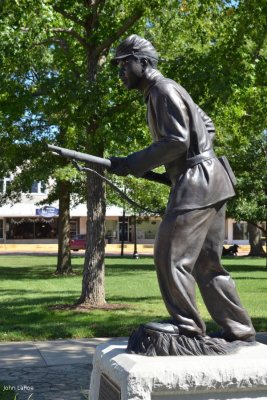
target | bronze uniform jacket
x=180, y=130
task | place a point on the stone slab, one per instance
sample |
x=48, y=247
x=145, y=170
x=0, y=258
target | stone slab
x=242, y=375
x=19, y=353
x=62, y=352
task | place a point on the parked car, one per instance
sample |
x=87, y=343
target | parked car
x=78, y=242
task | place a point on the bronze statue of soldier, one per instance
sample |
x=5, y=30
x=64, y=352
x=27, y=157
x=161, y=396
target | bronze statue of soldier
x=189, y=241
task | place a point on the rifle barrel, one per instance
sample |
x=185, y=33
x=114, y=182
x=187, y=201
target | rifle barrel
x=75, y=155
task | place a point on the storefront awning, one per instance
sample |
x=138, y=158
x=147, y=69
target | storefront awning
x=18, y=210
x=81, y=211
x=31, y=210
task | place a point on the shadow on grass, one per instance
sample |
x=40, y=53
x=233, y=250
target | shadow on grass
x=36, y=272
x=32, y=318
x=124, y=299
x=66, y=324
x=32, y=272
x=246, y=271
x=18, y=269
x=120, y=270
x=244, y=268
x=248, y=278
x=26, y=319
x=21, y=308
x=96, y=323
x=17, y=294
x=260, y=323
x=57, y=298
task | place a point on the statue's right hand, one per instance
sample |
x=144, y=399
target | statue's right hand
x=119, y=166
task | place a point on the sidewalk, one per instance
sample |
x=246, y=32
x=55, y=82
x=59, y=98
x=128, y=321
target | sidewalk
x=58, y=370
x=53, y=370
x=52, y=249
x=110, y=249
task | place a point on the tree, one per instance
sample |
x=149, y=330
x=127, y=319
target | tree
x=60, y=80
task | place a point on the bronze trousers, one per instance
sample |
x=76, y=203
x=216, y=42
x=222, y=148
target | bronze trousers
x=188, y=249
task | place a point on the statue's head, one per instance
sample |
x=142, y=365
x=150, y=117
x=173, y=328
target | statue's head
x=137, y=46
x=134, y=57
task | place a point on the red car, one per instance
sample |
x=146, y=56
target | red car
x=78, y=242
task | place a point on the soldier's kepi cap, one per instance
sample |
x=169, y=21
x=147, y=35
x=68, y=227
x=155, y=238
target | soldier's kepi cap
x=135, y=45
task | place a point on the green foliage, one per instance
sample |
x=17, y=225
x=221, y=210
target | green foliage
x=223, y=66
x=57, y=85
x=151, y=197
x=250, y=204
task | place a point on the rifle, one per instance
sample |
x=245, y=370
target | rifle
x=105, y=162
x=75, y=155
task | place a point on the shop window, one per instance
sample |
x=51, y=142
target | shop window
x=73, y=227
x=32, y=228
x=148, y=229
x=124, y=229
x=226, y=231
x=240, y=231
x=1, y=229
x=111, y=230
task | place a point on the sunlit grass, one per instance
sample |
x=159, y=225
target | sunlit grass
x=29, y=288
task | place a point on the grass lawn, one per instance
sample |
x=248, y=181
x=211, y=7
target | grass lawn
x=28, y=291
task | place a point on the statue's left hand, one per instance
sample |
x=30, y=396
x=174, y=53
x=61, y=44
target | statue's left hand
x=119, y=166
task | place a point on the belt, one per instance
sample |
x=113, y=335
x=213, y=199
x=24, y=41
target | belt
x=206, y=155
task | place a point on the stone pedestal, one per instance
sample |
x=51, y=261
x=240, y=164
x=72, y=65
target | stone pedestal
x=120, y=376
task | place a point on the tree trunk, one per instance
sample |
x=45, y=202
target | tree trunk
x=93, y=288
x=254, y=234
x=64, y=253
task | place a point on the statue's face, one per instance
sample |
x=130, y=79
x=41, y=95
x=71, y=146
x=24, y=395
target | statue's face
x=131, y=72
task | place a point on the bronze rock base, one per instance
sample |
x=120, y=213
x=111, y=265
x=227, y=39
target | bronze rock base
x=163, y=339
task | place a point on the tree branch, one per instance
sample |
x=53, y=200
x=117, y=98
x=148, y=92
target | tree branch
x=92, y=18
x=69, y=16
x=128, y=23
x=72, y=33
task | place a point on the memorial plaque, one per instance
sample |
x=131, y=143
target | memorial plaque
x=108, y=390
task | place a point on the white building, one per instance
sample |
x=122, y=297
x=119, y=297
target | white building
x=28, y=222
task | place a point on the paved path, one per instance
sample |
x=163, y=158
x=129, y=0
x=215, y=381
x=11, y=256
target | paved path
x=52, y=370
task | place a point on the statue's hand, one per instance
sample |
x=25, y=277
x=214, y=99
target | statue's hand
x=119, y=166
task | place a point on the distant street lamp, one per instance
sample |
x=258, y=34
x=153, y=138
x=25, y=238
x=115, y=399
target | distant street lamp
x=123, y=232
x=135, y=253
